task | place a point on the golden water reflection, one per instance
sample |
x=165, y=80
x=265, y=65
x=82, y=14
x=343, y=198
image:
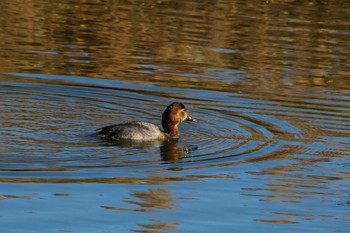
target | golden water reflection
x=153, y=42
x=150, y=201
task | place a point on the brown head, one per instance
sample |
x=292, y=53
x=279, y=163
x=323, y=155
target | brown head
x=173, y=115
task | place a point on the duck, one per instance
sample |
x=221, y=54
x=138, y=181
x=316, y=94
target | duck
x=172, y=116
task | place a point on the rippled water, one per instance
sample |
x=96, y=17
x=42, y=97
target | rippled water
x=269, y=83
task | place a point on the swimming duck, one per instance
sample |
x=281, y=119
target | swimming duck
x=172, y=116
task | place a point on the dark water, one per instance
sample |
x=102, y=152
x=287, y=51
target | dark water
x=269, y=82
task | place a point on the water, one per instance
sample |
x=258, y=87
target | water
x=269, y=82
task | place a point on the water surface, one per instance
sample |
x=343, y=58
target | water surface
x=269, y=83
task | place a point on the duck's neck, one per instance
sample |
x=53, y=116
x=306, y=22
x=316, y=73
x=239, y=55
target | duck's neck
x=171, y=129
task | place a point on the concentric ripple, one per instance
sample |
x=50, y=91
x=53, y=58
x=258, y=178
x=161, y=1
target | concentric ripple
x=49, y=124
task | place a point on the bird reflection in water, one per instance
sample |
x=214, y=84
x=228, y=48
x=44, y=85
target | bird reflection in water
x=169, y=150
